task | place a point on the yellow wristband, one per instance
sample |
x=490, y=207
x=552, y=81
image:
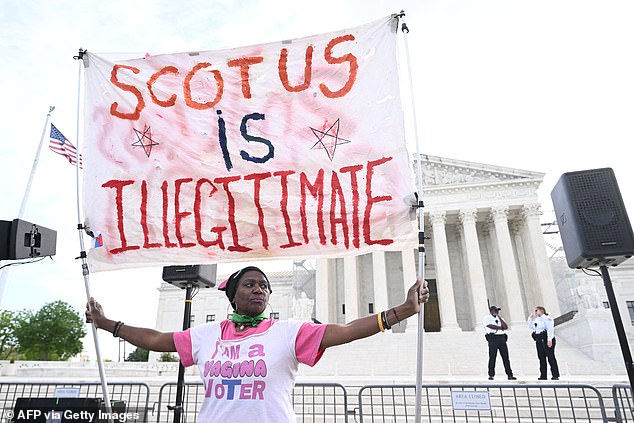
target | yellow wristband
x=381, y=328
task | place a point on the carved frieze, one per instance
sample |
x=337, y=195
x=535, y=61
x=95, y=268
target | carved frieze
x=444, y=172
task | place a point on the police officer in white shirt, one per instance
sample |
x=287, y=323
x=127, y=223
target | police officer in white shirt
x=543, y=328
x=495, y=326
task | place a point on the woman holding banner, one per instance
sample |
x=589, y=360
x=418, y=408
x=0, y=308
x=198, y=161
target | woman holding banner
x=248, y=364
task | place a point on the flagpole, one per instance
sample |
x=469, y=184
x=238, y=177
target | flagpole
x=37, y=158
x=80, y=227
x=5, y=272
x=421, y=229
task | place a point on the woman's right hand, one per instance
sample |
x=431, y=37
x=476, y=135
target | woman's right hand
x=416, y=295
x=94, y=313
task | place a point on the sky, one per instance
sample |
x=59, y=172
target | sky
x=545, y=86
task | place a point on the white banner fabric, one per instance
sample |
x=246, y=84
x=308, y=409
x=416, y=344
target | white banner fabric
x=288, y=149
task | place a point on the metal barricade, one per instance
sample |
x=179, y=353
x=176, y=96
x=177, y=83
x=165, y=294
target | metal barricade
x=483, y=403
x=623, y=405
x=320, y=402
x=134, y=395
x=312, y=402
x=193, y=394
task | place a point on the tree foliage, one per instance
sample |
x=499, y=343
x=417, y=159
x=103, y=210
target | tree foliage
x=139, y=354
x=9, y=320
x=53, y=333
x=167, y=357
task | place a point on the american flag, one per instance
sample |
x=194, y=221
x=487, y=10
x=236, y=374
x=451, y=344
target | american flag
x=60, y=145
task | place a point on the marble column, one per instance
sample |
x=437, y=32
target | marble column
x=351, y=288
x=323, y=292
x=379, y=281
x=409, y=258
x=444, y=282
x=475, y=271
x=537, y=248
x=525, y=265
x=510, y=278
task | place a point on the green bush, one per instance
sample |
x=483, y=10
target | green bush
x=168, y=357
x=139, y=354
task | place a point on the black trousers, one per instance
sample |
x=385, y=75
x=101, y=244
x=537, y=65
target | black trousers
x=498, y=343
x=544, y=353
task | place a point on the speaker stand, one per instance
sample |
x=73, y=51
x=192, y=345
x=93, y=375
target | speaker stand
x=618, y=323
x=180, y=384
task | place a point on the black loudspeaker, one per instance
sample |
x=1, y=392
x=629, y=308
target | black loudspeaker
x=5, y=230
x=592, y=219
x=198, y=274
x=20, y=239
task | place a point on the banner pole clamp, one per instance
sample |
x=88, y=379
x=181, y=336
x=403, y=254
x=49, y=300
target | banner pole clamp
x=80, y=55
x=404, y=27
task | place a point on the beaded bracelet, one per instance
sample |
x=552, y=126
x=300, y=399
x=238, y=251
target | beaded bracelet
x=117, y=326
x=386, y=324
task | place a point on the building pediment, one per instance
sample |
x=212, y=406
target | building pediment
x=442, y=172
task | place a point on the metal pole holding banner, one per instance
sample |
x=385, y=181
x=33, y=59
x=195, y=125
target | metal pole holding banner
x=80, y=229
x=421, y=229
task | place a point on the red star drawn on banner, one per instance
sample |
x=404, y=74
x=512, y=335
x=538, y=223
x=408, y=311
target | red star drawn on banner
x=144, y=139
x=328, y=139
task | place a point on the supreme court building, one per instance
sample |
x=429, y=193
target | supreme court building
x=484, y=246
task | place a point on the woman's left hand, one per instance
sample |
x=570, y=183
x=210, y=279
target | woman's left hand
x=417, y=294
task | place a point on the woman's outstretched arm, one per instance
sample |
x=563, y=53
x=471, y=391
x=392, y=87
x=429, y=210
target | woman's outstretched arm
x=336, y=334
x=149, y=339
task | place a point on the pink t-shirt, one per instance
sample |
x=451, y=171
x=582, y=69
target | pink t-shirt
x=307, y=342
x=249, y=373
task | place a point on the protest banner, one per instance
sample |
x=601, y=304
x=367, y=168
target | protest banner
x=288, y=149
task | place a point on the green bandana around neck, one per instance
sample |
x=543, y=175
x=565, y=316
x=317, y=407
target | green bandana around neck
x=248, y=320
